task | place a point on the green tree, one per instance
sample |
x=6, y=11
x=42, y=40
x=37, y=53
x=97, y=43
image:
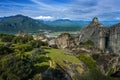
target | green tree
x=16, y=68
x=5, y=50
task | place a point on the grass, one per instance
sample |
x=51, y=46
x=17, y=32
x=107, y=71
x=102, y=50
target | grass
x=88, y=60
x=61, y=57
x=111, y=71
x=42, y=64
x=2, y=42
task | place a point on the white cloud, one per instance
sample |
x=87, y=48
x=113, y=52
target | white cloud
x=118, y=18
x=44, y=17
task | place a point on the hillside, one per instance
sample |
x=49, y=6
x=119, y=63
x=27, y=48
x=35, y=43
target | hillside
x=22, y=58
x=16, y=23
x=13, y=24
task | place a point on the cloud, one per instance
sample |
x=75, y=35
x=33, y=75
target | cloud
x=54, y=9
x=44, y=17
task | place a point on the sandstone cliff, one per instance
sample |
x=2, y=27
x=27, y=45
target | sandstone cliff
x=105, y=38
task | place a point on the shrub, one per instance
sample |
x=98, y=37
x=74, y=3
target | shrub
x=87, y=43
x=5, y=50
x=95, y=56
x=16, y=68
x=88, y=60
x=19, y=39
x=6, y=37
x=37, y=43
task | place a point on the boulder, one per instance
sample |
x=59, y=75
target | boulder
x=66, y=40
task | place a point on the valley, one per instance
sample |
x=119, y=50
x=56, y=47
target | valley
x=61, y=55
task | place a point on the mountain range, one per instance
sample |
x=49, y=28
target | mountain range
x=13, y=24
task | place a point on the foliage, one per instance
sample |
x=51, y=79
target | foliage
x=16, y=67
x=60, y=55
x=22, y=40
x=87, y=43
x=95, y=56
x=5, y=50
x=21, y=47
x=38, y=51
x=13, y=24
x=110, y=72
x=37, y=77
x=88, y=61
x=6, y=37
x=37, y=43
x=95, y=75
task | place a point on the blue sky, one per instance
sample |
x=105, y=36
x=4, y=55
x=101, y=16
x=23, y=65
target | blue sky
x=65, y=9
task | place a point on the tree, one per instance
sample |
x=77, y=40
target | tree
x=16, y=67
x=5, y=50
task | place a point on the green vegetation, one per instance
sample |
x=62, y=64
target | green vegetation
x=87, y=43
x=88, y=60
x=22, y=58
x=110, y=72
x=13, y=24
x=19, y=67
x=5, y=50
x=95, y=56
x=60, y=55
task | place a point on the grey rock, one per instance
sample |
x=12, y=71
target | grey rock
x=66, y=40
x=105, y=38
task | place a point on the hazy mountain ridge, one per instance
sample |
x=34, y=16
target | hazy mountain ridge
x=75, y=23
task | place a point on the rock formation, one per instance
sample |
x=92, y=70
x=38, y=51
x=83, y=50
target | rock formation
x=106, y=41
x=103, y=37
x=114, y=38
x=65, y=40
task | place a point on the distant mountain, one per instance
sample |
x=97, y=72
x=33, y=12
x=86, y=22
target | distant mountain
x=13, y=24
x=64, y=23
x=73, y=23
x=110, y=23
x=16, y=23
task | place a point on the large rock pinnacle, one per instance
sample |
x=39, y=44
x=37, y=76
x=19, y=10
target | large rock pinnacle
x=95, y=20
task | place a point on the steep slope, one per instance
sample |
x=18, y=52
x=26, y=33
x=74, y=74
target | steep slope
x=103, y=37
x=114, y=38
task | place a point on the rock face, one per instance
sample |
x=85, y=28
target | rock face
x=114, y=38
x=65, y=40
x=103, y=37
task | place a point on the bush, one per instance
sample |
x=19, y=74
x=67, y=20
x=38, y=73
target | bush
x=16, y=68
x=95, y=75
x=88, y=60
x=6, y=37
x=22, y=47
x=23, y=40
x=87, y=43
x=5, y=50
x=95, y=56
x=37, y=77
x=37, y=43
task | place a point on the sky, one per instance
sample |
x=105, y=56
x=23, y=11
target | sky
x=62, y=9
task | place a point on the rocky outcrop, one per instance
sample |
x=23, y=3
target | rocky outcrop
x=103, y=37
x=65, y=40
x=114, y=38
